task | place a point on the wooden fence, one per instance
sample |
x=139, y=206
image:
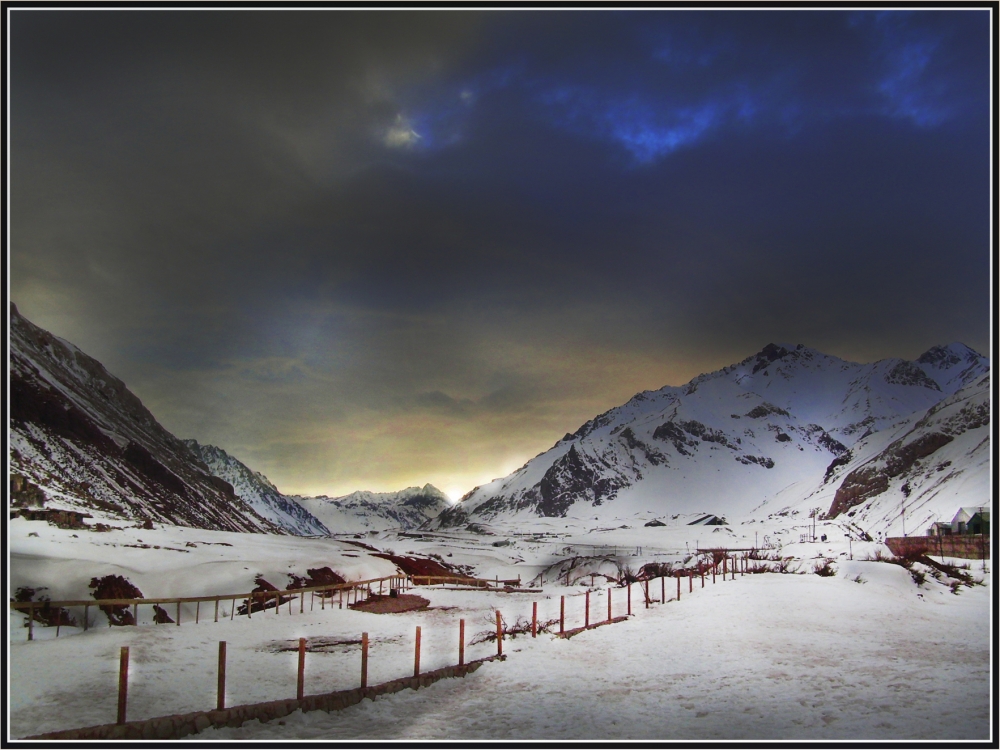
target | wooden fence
x=182, y=725
x=265, y=598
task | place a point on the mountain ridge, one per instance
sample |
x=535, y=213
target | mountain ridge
x=784, y=414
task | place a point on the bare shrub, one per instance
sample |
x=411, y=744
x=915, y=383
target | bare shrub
x=626, y=574
x=521, y=626
x=655, y=570
x=824, y=570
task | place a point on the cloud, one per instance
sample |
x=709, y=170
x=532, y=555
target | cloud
x=401, y=134
x=344, y=241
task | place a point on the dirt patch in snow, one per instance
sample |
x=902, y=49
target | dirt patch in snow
x=387, y=604
x=422, y=566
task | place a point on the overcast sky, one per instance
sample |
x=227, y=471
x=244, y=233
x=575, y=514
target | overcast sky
x=365, y=250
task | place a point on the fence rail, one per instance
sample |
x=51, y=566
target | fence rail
x=252, y=597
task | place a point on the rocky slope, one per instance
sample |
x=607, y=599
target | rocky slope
x=902, y=479
x=728, y=440
x=258, y=492
x=377, y=511
x=77, y=432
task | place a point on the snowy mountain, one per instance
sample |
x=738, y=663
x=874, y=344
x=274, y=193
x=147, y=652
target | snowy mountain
x=77, y=432
x=904, y=478
x=377, y=511
x=728, y=440
x=257, y=491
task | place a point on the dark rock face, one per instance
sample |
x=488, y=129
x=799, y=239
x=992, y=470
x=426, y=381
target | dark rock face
x=676, y=435
x=767, y=463
x=570, y=479
x=652, y=455
x=873, y=479
x=453, y=516
x=767, y=355
x=654, y=522
x=831, y=443
x=153, y=470
x=46, y=614
x=842, y=460
x=49, y=408
x=907, y=373
x=160, y=616
x=764, y=409
x=116, y=587
x=315, y=577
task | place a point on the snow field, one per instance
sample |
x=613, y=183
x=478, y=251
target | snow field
x=763, y=657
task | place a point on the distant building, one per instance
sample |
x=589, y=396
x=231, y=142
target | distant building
x=939, y=528
x=709, y=520
x=968, y=520
x=971, y=520
x=979, y=523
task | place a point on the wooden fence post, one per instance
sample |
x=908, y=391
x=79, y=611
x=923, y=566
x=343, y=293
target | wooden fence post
x=232, y=613
x=714, y=566
x=702, y=577
x=534, y=619
x=663, y=589
x=302, y=602
x=301, y=681
x=178, y=614
x=586, y=612
x=609, y=604
x=416, y=655
x=690, y=584
x=629, y=587
x=725, y=563
x=461, y=642
x=678, y=585
x=364, y=660
x=221, y=701
x=216, y=609
x=86, y=617
x=646, y=591
x=499, y=634
x=122, y=684
x=562, y=614
x=197, y=613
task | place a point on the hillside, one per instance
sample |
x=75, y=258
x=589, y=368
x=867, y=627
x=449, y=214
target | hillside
x=728, y=440
x=258, y=492
x=77, y=432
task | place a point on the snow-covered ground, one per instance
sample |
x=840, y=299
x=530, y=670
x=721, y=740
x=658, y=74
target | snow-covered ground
x=761, y=657
x=865, y=654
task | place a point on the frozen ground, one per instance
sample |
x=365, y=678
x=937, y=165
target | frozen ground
x=865, y=654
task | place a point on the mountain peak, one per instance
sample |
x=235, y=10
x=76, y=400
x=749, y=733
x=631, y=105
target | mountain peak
x=949, y=355
x=771, y=353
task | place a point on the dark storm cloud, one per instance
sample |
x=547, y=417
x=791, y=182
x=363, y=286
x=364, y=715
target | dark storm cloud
x=466, y=218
